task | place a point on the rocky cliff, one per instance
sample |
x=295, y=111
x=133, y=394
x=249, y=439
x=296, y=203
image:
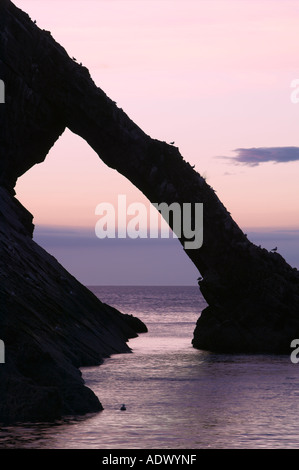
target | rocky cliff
x=252, y=294
x=51, y=325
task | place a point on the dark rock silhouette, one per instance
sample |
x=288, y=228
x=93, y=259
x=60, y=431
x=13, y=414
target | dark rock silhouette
x=252, y=295
x=51, y=325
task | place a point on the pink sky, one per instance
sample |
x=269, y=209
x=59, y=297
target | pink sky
x=212, y=75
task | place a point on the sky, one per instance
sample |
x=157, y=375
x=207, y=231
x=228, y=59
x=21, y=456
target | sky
x=218, y=77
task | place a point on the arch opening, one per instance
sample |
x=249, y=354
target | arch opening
x=62, y=194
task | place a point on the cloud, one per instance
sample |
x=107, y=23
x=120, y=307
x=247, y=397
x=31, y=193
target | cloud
x=117, y=261
x=80, y=237
x=257, y=155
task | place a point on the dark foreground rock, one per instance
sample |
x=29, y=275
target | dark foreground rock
x=47, y=317
x=51, y=326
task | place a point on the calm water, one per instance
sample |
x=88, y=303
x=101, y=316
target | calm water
x=176, y=397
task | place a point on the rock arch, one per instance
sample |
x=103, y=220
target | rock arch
x=50, y=324
x=252, y=294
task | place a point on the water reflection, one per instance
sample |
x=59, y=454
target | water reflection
x=176, y=397
x=199, y=400
x=38, y=435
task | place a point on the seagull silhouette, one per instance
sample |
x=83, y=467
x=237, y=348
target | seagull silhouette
x=274, y=249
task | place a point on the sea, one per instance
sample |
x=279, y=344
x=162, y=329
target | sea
x=176, y=397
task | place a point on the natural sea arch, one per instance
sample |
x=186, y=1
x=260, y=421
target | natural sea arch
x=63, y=203
x=252, y=295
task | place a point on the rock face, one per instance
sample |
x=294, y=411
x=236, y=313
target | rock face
x=252, y=295
x=51, y=325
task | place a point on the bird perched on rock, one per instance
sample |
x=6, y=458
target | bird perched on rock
x=123, y=408
x=274, y=249
x=171, y=143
